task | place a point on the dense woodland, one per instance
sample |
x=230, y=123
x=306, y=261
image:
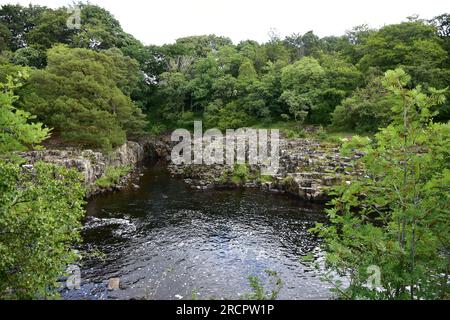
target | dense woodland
x=98, y=86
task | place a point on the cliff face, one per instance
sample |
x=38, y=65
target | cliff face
x=93, y=165
x=308, y=168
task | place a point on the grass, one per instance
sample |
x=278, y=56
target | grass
x=239, y=175
x=265, y=179
x=287, y=181
x=112, y=176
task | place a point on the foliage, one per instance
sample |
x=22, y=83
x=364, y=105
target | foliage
x=17, y=133
x=395, y=217
x=300, y=82
x=260, y=292
x=238, y=175
x=265, y=179
x=81, y=93
x=112, y=176
x=29, y=56
x=308, y=78
x=366, y=110
x=40, y=209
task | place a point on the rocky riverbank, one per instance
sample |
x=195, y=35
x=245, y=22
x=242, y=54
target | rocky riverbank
x=94, y=165
x=308, y=168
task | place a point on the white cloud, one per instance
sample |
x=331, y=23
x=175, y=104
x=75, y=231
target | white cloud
x=163, y=21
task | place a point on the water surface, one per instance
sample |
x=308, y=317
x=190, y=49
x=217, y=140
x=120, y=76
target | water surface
x=166, y=240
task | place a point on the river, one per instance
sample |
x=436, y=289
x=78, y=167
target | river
x=166, y=240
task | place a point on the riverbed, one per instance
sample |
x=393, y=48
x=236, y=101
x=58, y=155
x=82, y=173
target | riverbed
x=165, y=240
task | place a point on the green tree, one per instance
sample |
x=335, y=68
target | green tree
x=50, y=28
x=40, y=212
x=40, y=208
x=19, y=21
x=205, y=72
x=82, y=94
x=340, y=80
x=413, y=45
x=366, y=110
x=174, y=89
x=395, y=216
x=300, y=83
x=29, y=56
x=5, y=37
x=17, y=133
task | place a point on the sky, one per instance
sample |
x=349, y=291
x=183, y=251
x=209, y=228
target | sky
x=163, y=21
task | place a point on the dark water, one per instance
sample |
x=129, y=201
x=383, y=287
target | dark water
x=168, y=241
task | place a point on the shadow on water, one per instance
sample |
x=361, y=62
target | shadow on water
x=166, y=240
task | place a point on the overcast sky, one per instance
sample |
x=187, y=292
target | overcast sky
x=163, y=21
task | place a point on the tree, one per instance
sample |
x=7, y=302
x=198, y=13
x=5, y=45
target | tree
x=19, y=21
x=205, y=72
x=394, y=218
x=82, y=94
x=223, y=117
x=17, y=133
x=100, y=31
x=5, y=37
x=50, y=28
x=413, y=45
x=29, y=56
x=303, y=46
x=300, y=83
x=40, y=213
x=173, y=89
x=340, y=80
x=247, y=72
x=366, y=110
x=442, y=24
x=201, y=46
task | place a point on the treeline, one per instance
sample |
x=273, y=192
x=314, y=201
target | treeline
x=97, y=85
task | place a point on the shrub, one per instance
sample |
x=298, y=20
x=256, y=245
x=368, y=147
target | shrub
x=40, y=212
x=112, y=176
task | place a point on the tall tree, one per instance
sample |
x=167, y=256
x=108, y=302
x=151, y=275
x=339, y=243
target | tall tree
x=394, y=219
x=83, y=95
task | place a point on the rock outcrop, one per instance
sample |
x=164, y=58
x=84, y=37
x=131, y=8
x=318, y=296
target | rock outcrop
x=93, y=164
x=308, y=168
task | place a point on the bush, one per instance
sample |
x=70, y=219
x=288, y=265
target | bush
x=239, y=175
x=366, y=110
x=394, y=218
x=112, y=176
x=230, y=116
x=40, y=212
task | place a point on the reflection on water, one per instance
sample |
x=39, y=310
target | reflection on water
x=166, y=241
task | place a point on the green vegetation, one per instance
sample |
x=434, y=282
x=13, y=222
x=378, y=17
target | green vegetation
x=40, y=209
x=265, y=179
x=95, y=84
x=81, y=93
x=238, y=175
x=112, y=176
x=17, y=133
x=98, y=86
x=39, y=221
x=396, y=216
x=270, y=292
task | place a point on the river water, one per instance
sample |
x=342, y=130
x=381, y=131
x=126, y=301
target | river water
x=166, y=240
